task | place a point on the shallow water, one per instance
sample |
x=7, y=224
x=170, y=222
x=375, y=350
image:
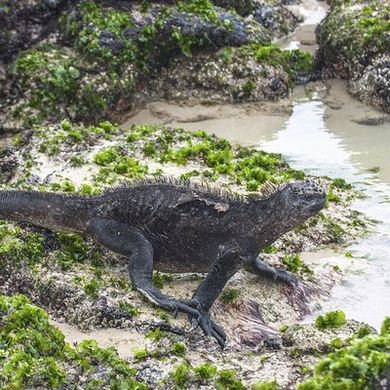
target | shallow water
x=323, y=141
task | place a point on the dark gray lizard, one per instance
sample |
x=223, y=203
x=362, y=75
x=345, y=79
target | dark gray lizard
x=173, y=226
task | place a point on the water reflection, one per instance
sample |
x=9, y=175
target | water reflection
x=325, y=142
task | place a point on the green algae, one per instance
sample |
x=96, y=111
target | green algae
x=270, y=385
x=205, y=371
x=228, y=380
x=357, y=366
x=229, y=295
x=87, y=32
x=33, y=354
x=293, y=62
x=241, y=165
x=51, y=77
x=216, y=156
x=58, y=137
x=295, y=264
x=181, y=374
x=353, y=32
x=17, y=245
x=331, y=320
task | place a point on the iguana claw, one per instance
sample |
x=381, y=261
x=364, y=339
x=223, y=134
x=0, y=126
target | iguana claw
x=209, y=327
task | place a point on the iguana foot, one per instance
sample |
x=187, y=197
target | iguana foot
x=275, y=274
x=209, y=327
x=198, y=316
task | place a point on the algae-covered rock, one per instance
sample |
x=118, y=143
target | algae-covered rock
x=78, y=281
x=100, y=59
x=363, y=364
x=248, y=73
x=34, y=355
x=354, y=44
x=25, y=22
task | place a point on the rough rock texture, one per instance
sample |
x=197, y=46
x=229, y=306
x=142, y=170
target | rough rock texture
x=88, y=287
x=219, y=79
x=373, y=85
x=26, y=22
x=354, y=42
x=95, y=59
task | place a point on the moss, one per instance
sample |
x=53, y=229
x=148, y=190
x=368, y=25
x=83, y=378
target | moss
x=205, y=371
x=156, y=334
x=91, y=288
x=179, y=349
x=341, y=184
x=141, y=354
x=181, y=374
x=129, y=309
x=17, y=245
x=295, y=264
x=332, y=320
x=272, y=385
x=34, y=355
x=228, y=380
x=358, y=366
x=352, y=35
x=229, y=295
x=160, y=279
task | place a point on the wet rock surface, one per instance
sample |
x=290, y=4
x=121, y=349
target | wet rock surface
x=26, y=22
x=84, y=285
x=355, y=44
x=97, y=59
x=89, y=60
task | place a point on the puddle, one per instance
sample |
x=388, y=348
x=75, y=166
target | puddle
x=123, y=340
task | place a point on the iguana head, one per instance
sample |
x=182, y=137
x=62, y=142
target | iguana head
x=292, y=204
x=304, y=199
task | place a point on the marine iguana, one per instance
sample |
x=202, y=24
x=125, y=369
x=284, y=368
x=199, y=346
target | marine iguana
x=174, y=226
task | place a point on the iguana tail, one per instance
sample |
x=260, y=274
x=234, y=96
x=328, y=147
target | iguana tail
x=50, y=210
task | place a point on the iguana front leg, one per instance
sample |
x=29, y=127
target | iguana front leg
x=227, y=264
x=272, y=273
x=129, y=241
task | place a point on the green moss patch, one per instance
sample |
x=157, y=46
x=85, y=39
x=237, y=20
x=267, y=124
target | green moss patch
x=33, y=354
x=294, y=62
x=333, y=319
x=353, y=33
x=54, y=83
x=356, y=367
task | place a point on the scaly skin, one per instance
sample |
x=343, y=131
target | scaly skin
x=176, y=227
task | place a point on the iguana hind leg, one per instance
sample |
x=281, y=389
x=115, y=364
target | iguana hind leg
x=269, y=272
x=131, y=243
x=227, y=264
